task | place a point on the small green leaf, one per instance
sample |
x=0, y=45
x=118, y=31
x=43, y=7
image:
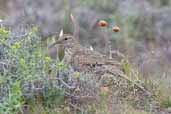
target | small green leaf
x=4, y=33
x=16, y=89
x=16, y=45
x=61, y=52
x=126, y=68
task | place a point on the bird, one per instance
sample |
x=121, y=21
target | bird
x=80, y=57
x=83, y=59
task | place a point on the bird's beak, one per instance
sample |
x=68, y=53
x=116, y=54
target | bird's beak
x=58, y=42
x=55, y=43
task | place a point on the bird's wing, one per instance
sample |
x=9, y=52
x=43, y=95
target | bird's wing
x=87, y=56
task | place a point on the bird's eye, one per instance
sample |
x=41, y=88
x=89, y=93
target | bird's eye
x=65, y=38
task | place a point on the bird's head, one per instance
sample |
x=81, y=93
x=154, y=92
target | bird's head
x=67, y=40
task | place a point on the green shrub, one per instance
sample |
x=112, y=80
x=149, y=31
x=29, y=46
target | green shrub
x=25, y=64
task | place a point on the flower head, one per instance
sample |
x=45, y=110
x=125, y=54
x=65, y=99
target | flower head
x=102, y=23
x=116, y=29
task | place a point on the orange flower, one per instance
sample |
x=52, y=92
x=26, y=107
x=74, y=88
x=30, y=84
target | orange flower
x=116, y=29
x=102, y=23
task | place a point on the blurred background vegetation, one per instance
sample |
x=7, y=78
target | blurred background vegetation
x=144, y=37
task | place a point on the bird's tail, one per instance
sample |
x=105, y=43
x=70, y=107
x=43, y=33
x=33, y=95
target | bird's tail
x=117, y=72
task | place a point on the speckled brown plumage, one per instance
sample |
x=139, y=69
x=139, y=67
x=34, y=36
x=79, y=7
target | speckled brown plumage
x=81, y=57
x=84, y=59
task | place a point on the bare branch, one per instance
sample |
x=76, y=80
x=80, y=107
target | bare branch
x=76, y=27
